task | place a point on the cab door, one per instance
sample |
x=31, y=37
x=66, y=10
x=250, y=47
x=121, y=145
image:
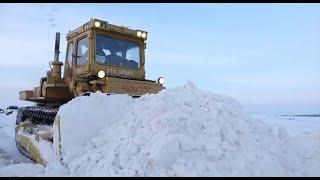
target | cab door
x=69, y=62
x=82, y=55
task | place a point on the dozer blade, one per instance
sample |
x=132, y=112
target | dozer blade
x=28, y=138
x=31, y=135
x=28, y=146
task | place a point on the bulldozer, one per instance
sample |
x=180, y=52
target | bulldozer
x=99, y=57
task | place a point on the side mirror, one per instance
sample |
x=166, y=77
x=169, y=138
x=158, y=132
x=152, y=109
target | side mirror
x=1, y=111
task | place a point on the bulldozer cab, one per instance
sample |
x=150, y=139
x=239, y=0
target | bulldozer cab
x=97, y=45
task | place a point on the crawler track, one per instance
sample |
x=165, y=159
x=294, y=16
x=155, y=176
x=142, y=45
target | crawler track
x=38, y=115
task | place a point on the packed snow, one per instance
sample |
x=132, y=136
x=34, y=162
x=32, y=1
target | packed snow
x=182, y=131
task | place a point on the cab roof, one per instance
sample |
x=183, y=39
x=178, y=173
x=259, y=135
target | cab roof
x=104, y=25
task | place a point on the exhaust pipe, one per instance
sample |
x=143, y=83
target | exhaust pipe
x=56, y=64
x=56, y=47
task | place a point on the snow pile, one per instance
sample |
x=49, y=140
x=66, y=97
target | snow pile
x=182, y=131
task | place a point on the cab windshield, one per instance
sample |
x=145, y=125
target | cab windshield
x=111, y=51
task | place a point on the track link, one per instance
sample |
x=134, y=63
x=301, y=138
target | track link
x=38, y=115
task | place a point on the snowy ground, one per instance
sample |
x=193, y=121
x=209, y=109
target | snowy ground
x=7, y=144
x=182, y=131
x=295, y=125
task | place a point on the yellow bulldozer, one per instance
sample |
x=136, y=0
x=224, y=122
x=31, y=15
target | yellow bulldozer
x=99, y=57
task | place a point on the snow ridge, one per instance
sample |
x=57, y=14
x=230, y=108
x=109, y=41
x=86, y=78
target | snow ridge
x=182, y=131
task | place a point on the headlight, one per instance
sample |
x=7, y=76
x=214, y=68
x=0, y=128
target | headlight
x=139, y=33
x=144, y=35
x=160, y=80
x=101, y=74
x=97, y=24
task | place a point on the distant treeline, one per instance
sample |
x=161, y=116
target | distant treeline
x=304, y=115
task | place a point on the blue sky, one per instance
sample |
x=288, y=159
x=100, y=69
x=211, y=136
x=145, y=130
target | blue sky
x=264, y=55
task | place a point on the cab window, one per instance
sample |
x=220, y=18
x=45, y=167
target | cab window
x=118, y=52
x=82, y=51
x=69, y=55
